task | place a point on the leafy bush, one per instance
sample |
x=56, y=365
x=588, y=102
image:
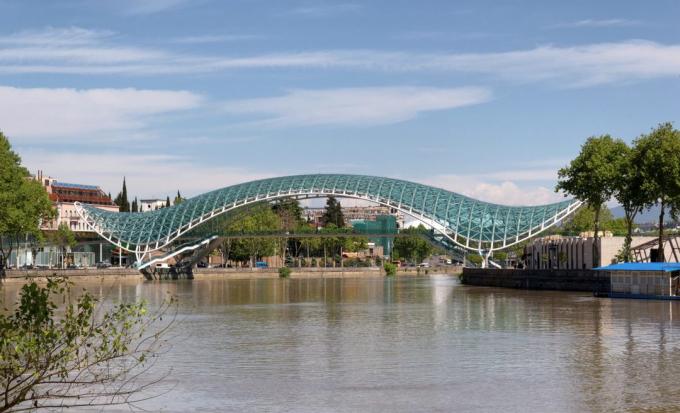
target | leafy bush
x=475, y=259
x=284, y=272
x=76, y=354
x=390, y=269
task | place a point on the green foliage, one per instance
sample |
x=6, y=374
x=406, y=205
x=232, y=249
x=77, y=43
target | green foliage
x=584, y=220
x=500, y=256
x=591, y=177
x=333, y=213
x=83, y=356
x=284, y=272
x=63, y=238
x=412, y=247
x=260, y=219
x=657, y=157
x=290, y=214
x=122, y=199
x=475, y=259
x=178, y=199
x=24, y=203
x=390, y=269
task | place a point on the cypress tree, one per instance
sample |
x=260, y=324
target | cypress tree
x=333, y=213
x=167, y=202
x=122, y=199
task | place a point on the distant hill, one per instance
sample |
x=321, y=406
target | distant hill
x=645, y=217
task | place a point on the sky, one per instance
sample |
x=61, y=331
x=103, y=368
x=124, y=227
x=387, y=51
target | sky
x=485, y=98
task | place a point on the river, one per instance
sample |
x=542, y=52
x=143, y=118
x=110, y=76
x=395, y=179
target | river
x=407, y=344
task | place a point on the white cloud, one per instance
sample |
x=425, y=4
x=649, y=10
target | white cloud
x=147, y=6
x=56, y=36
x=598, y=23
x=81, y=51
x=325, y=10
x=219, y=38
x=357, y=106
x=39, y=113
x=506, y=192
x=157, y=175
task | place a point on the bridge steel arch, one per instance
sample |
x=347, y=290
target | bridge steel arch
x=469, y=223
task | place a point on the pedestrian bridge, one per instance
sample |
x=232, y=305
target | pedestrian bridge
x=469, y=223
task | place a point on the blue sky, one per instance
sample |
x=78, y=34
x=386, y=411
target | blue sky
x=487, y=98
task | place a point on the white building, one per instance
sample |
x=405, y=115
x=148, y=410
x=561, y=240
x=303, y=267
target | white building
x=151, y=204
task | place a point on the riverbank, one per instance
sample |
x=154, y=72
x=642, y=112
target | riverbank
x=557, y=280
x=231, y=273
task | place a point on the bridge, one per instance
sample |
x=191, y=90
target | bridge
x=465, y=222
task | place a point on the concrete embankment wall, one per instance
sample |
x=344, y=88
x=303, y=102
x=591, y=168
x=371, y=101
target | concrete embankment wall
x=314, y=272
x=559, y=280
x=18, y=275
x=128, y=273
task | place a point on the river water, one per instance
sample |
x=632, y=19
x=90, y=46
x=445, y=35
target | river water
x=408, y=344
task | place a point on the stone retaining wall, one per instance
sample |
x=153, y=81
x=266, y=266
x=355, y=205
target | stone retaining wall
x=559, y=280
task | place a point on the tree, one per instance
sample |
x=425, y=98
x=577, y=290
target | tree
x=24, y=203
x=412, y=247
x=259, y=220
x=167, y=202
x=135, y=206
x=75, y=356
x=592, y=175
x=657, y=156
x=627, y=190
x=122, y=199
x=583, y=220
x=333, y=213
x=63, y=238
x=178, y=199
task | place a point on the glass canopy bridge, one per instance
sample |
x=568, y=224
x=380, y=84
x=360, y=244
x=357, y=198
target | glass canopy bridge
x=468, y=223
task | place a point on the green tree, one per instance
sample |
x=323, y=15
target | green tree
x=259, y=220
x=333, y=213
x=657, y=157
x=122, y=199
x=24, y=203
x=178, y=199
x=618, y=227
x=583, y=220
x=76, y=355
x=167, y=202
x=627, y=190
x=412, y=247
x=135, y=206
x=591, y=177
x=63, y=238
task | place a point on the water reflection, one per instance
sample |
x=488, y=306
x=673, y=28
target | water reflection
x=408, y=344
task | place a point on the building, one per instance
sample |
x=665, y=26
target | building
x=151, y=204
x=90, y=249
x=370, y=213
x=644, y=280
x=560, y=252
x=64, y=196
x=381, y=224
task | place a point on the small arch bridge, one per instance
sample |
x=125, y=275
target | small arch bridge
x=468, y=223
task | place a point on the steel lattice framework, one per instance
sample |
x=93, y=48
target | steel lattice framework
x=470, y=223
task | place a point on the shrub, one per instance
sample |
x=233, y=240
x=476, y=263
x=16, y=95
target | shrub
x=390, y=269
x=475, y=259
x=284, y=272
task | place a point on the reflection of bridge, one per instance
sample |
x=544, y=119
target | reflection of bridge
x=468, y=223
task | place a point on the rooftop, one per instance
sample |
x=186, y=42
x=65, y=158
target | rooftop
x=642, y=266
x=76, y=186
